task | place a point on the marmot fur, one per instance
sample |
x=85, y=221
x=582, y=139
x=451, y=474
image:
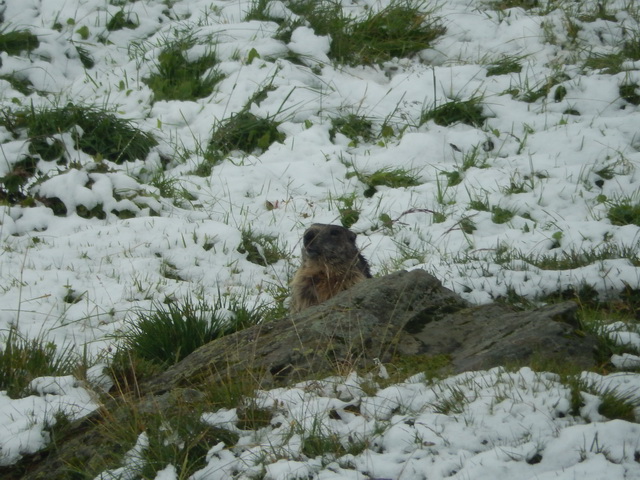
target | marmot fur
x=331, y=263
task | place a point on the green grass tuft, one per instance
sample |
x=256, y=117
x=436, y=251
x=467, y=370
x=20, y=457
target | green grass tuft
x=168, y=333
x=577, y=259
x=22, y=360
x=542, y=89
x=625, y=214
x=479, y=205
x=259, y=12
x=452, y=400
x=388, y=177
x=504, y=66
x=242, y=131
x=317, y=442
x=631, y=93
x=22, y=85
x=610, y=63
x=103, y=134
x=18, y=41
x=119, y=21
x=501, y=215
x=85, y=57
x=355, y=127
x=506, y=4
x=617, y=405
x=13, y=184
x=261, y=249
x=348, y=209
x=401, y=29
x=179, y=78
x=179, y=437
x=456, y=111
x=631, y=48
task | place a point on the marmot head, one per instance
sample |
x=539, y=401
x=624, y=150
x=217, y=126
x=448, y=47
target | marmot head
x=330, y=245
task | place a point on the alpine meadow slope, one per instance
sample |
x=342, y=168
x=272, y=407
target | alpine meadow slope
x=172, y=152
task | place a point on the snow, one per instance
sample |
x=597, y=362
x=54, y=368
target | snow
x=24, y=422
x=511, y=424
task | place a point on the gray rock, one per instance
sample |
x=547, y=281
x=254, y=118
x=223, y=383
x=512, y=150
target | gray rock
x=353, y=328
x=492, y=335
x=406, y=313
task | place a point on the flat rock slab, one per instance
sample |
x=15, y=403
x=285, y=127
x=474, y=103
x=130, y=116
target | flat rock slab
x=492, y=335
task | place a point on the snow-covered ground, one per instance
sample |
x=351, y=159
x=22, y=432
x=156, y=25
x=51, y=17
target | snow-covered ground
x=75, y=281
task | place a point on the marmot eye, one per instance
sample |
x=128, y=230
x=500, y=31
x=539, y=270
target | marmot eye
x=308, y=237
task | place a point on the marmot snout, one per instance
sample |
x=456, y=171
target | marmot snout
x=331, y=263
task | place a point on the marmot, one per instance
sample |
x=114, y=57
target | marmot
x=331, y=263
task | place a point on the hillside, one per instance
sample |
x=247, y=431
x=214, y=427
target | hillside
x=160, y=153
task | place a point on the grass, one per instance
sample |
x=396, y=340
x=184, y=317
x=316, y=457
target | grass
x=630, y=92
x=180, y=78
x=578, y=258
x=531, y=94
x=501, y=215
x=242, y=131
x=168, y=333
x=617, y=405
x=13, y=185
x=23, y=359
x=506, y=4
x=456, y=111
x=452, y=400
x=179, y=437
x=17, y=41
x=613, y=63
x=348, y=208
x=172, y=189
x=85, y=57
x=103, y=135
x=504, y=66
x=387, y=177
x=141, y=439
x=624, y=212
x=119, y=21
x=22, y=85
x=401, y=29
x=355, y=127
x=261, y=249
x=318, y=441
x=432, y=366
